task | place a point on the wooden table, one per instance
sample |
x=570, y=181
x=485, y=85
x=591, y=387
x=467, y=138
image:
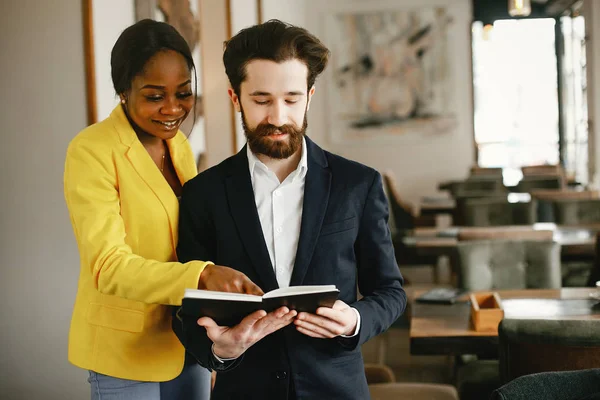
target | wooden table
x=574, y=240
x=447, y=329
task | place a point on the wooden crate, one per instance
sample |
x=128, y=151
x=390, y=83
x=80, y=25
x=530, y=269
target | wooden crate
x=486, y=311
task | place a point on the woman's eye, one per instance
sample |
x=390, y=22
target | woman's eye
x=184, y=95
x=262, y=103
x=291, y=101
x=154, y=98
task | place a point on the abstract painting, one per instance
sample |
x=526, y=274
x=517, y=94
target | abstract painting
x=391, y=73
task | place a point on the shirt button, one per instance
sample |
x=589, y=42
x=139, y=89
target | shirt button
x=281, y=374
x=279, y=230
x=277, y=193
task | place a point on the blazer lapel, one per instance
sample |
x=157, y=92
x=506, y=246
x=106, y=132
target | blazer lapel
x=316, y=198
x=146, y=169
x=243, y=209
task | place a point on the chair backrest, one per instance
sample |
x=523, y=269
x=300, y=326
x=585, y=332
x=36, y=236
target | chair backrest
x=528, y=346
x=508, y=264
x=402, y=212
x=576, y=211
x=595, y=273
x=379, y=373
x=496, y=211
x=559, y=194
x=567, y=385
x=546, y=197
x=504, y=232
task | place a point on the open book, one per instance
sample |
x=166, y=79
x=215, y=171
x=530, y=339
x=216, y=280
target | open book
x=228, y=309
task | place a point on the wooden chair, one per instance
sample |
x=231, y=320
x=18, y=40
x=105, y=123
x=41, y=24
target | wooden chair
x=406, y=217
x=383, y=386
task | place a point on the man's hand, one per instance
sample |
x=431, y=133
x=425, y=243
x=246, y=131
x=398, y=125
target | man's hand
x=328, y=323
x=225, y=279
x=233, y=342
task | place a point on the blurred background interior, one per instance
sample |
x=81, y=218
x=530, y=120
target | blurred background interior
x=481, y=115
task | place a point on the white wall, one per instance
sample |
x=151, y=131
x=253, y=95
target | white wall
x=419, y=164
x=108, y=25
x=42, y=76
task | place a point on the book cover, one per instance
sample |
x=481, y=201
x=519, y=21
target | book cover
x=228, y=309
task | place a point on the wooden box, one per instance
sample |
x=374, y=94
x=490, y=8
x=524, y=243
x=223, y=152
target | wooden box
x=486, y=311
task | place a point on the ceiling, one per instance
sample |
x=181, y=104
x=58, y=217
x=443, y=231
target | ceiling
x=487, y=11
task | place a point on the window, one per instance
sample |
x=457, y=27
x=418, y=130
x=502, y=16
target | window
x=574, y=98
x=515, y=95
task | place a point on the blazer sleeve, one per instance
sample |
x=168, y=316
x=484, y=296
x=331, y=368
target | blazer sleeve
x=379, y=278
x=92, y=196
x=196, y=242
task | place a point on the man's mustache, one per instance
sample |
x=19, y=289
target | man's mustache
x=269, y=129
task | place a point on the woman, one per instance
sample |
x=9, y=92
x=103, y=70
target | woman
x=122, y=180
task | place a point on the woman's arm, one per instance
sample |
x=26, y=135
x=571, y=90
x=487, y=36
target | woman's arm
x=92, y=196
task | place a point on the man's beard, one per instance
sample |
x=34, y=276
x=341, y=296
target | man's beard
x=261, y=143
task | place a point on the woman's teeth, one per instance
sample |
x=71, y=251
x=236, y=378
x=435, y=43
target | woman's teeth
x=169, y=125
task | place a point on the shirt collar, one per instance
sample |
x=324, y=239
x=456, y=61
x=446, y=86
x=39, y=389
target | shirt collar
x=300, y=171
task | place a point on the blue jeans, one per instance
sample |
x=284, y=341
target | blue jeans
x=192, y=384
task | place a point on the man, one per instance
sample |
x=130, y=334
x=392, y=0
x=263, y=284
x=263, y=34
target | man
x=285, y=212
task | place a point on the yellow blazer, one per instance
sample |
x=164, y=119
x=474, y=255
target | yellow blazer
x=125, y=217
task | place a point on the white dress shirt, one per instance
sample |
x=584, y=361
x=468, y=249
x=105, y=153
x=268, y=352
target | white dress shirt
x=279, y=207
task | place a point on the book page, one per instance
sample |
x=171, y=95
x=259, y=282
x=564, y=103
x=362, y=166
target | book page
x=298, y=290
x=210, y=294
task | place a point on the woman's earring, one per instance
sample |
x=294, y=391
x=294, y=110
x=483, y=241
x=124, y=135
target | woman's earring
x=122, y=101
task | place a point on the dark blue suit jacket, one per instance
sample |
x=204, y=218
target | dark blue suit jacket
x=344, y=241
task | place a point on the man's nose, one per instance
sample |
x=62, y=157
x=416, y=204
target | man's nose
x=277, y=115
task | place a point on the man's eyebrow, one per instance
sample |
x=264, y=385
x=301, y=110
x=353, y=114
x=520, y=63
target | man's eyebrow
x=261, y=93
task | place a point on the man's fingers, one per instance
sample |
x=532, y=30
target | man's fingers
x=339, y=305
x=330, y=324
x=310, y=333
x=207, y=322
x=251, y=319
x=333, y=314
x=275, y=321
x=328, y=329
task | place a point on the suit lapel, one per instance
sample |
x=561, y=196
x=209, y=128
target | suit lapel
x=148, y=171
x=243, y=209
x=316, y=198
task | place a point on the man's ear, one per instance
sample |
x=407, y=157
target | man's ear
x=234, y=99
x=310, y=95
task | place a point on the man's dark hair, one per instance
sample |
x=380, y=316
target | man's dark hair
x=276, y=41
x=140, y=42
